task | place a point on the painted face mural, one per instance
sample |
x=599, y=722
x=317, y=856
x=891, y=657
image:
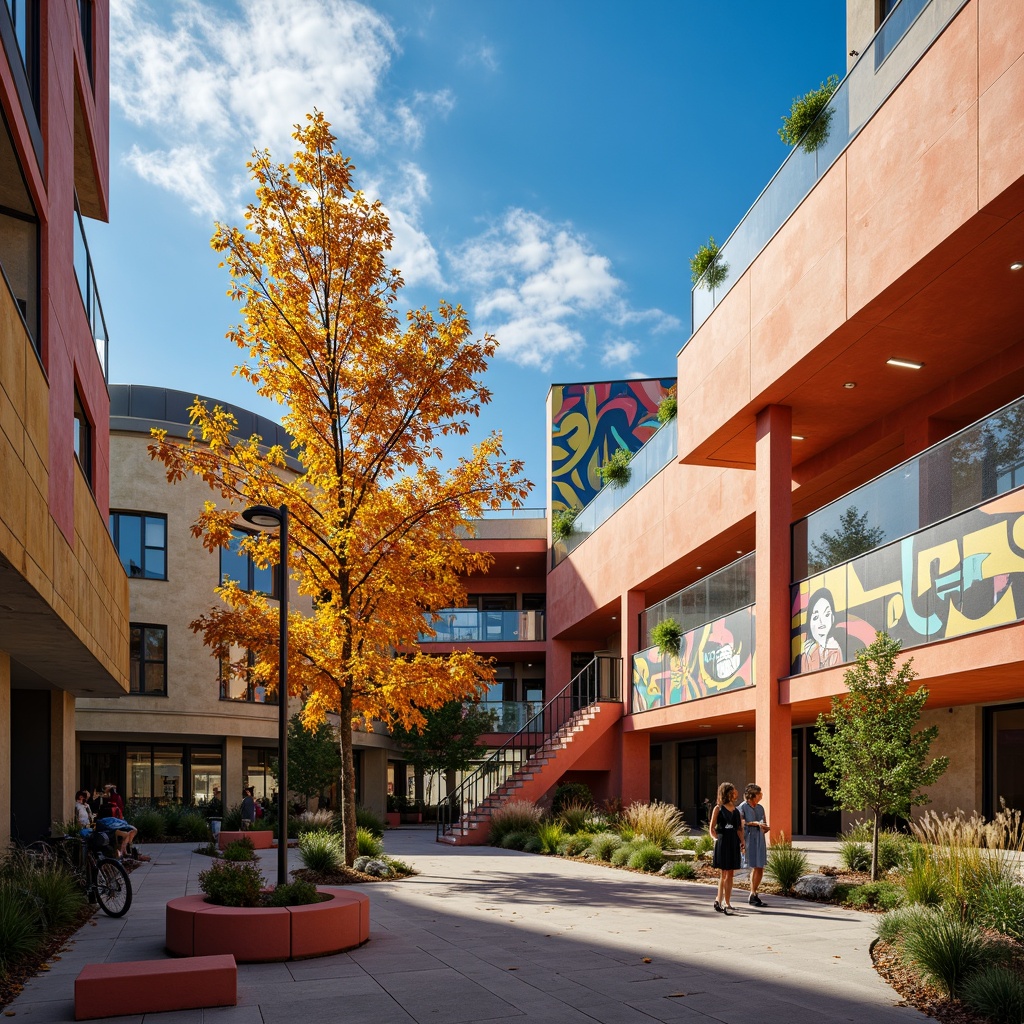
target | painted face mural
x=822, y=618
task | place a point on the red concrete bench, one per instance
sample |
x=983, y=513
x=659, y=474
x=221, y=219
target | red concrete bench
x=152, y=986
x=253, y=934
x=261, y=839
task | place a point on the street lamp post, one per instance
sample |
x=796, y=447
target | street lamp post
x=265, y=515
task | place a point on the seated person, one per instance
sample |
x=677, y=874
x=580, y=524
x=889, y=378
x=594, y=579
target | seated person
x=120, y=829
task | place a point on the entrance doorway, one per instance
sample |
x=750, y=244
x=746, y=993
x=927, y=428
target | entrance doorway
x=1004, y=758
x=813, y=810
x=697, y=782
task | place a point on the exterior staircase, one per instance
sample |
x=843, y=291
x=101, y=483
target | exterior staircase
x=532, y=761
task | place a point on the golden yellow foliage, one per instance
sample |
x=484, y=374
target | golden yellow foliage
x=375, y=516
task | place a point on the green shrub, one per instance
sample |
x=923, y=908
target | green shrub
x=150, y=823
x=551, y=836
x=704, y=845
x=368, y=844
x=309, y=821
x=785, y=865
x=620, y=856
x=532, y=844
x=667, y=636
x=947, y=950
x=574, y=815
x=231, y=821
x=571, y=793
x=577, y=844
x=810, y=119
x=859, y=832
x=232, y=884
x=193, y=826
x=563, y=522
x=668, y=408
x=893, y=850
x=1002, y=908
x=240, y=849
x=322, y=851
x=208, y=849
x=514, y=816
x=646, y=856
x=20, y=926
x=922, y=878
x=171, y=813
x=656, y=822
x=854, y=855
x=707, y=269
x=56, y=894
x=400, y=867
x=892, y=926
x=616, y=471
x=365, y=818
x=603, y=845
x=682, y=869
x=881, y=894
x=995, y=993
x=515, y=840
x=293, y=894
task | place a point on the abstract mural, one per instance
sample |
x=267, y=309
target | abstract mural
x=959, y=576
x=713, y=658
x=589, y=422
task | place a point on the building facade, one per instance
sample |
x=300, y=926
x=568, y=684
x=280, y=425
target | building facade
x=64, y=604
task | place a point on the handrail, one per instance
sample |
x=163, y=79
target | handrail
x=597, y=681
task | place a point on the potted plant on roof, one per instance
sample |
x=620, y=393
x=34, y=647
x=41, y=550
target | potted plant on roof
x=810, y=117
x=616, y=471
x=707, y=269
x=563, y=522
x=667, y=636
x=668, y=407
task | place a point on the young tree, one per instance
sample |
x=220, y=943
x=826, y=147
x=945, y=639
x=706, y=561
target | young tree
x=314, y=758
x=376, y=518
x=872, y=757
x=448, y=740
x=853, y=538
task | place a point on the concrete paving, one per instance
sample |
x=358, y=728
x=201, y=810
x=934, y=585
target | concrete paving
x=483, y=934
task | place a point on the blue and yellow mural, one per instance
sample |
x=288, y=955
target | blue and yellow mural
x=589, y=422
x=713, y=658
x=959, y=576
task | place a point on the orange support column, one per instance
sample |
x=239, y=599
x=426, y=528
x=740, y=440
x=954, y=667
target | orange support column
x=773, y=742
x=636, y=746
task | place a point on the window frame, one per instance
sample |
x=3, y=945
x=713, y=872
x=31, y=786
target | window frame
x=224, y=680
x=143, y=661
x=84, y=438
x=115, y=531
x=249, y=584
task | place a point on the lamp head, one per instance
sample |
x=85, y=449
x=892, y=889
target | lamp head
x=262, y=515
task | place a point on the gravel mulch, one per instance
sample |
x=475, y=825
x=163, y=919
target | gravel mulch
x=916, y=992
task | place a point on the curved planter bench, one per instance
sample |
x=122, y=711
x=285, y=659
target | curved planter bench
x=261, y=934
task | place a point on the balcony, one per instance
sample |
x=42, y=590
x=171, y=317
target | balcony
x=713, y=658
x=467, y=625
x=647, y=463
x=934, y=549
x=899, y=44
x=86, y=277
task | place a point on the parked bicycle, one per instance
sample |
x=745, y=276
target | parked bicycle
x=90, y=859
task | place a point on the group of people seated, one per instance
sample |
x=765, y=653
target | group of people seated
x=104, y=812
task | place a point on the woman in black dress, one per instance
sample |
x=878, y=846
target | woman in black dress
x=726, y=828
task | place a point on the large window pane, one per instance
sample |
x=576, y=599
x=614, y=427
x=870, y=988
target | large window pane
x=141, y=542
x=205, y=770
x=167, y=774
x=139, y=773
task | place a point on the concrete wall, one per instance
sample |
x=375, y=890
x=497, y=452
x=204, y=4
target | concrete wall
x=959, y=739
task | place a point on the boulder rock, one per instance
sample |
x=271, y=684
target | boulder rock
x=818, y=887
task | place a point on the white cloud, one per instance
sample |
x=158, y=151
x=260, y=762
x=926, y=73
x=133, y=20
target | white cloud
x=481, y=53
x=537, y=286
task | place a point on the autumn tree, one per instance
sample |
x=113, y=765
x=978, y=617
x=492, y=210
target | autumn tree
x=873, y=760
x=369, y=398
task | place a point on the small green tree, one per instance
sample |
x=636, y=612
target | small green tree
x=314, y=758
x=853, y=538
x=449, y=740
x=873, y=759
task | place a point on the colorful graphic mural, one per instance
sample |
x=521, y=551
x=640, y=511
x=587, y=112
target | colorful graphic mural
x=959, y=576
x=589, y=422
x=713, y=658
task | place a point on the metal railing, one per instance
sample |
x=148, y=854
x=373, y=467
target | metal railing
x=466, y=625
x=513, y=715
x=900, y=42
x=86, y=277
x=600, y=681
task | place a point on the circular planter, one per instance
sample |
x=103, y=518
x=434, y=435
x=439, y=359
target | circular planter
x=261, y=934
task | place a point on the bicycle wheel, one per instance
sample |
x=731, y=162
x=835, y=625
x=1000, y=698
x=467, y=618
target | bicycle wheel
x=113, y=888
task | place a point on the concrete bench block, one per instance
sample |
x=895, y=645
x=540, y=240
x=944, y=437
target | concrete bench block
x=261, y=840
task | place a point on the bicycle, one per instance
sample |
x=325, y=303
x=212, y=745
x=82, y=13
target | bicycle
x=102, y=877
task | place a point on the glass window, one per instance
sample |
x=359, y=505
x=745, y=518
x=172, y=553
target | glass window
x=85, y=20
x=205, y=770
x=167, y=774
x=25, y=18
x=83, y=438
x=238, y=687
x=148, y=659
x=139, y=772
x=256, y=773
x=236, y=564
x=141, y=542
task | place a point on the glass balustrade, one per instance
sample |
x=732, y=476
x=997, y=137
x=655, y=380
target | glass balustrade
x=467, y=625
x=513, y=715
x=903, y=38
x=90, y=294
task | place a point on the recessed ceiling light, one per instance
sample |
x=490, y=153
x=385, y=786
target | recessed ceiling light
x=739, y=726
x=908, y=364
x=614, y=617
x=1017, y=266
x=700, y=566
x=797, y=437
x=703, y=726
x=517, y=568
x=739, y=551
x=850, y=385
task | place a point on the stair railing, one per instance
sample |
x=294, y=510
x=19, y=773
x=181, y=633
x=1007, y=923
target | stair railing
x=599, y=681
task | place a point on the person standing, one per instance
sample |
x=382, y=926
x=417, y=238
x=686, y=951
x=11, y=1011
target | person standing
x=248, y=808
x=83, y=812
x=755, y=826
x=726, y=829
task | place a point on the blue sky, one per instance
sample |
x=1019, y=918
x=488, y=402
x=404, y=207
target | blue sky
x=550, y=165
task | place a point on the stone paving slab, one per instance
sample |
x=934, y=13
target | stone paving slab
x=487, y=935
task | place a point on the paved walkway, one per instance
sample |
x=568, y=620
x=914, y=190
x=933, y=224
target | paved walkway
x=491, y=935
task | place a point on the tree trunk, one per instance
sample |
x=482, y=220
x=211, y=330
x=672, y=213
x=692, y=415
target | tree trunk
x=348, y=778
x=874, y=847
